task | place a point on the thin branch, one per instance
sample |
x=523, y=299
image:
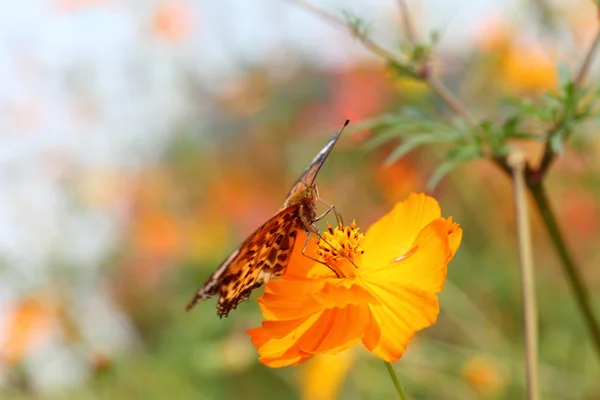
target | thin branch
x=546, y=13
x=339, y=22
x=534, y=181
x=518, y=164
x=549, y=154
x=436, y=86
x=548, y=157
x=450, y=99
x=408, y=26
x=587, y=62
x=575, y=280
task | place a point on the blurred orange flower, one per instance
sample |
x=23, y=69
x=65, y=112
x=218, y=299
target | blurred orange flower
x=157, y=234
x=520, y=66
x=528, y=69
x=359, y=92
x=484, y=374
x=396, y=180
x=172, y=21
x=30, y=322
x=323, y=378
x=382, y=291
x=580, y=210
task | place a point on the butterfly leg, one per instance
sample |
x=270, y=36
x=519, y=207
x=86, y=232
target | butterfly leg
x=312, y=258
x=321, y=216
x=330, y=207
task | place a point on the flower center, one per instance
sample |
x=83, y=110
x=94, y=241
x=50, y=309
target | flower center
x=340, y=249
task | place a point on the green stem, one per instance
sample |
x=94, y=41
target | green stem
x=581, y=294
x=397, y=385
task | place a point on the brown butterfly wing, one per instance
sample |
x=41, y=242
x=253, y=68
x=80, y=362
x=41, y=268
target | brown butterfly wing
x=264, y=254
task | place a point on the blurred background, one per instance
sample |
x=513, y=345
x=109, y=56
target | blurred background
x=143, y=140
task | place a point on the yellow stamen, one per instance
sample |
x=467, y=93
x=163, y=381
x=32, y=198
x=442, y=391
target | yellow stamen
x=341, y=247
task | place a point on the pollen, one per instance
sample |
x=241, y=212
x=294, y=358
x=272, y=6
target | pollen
x=340, y=244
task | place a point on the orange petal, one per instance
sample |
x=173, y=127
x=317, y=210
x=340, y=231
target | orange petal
x=285, y=361
x=393, y=235
x=454, y=236
x=302, y=267
x=275, y=338
x=337, y=329
x=402, y=311
x=288, y=355
x=290, y=300
x=328, y=332
x=425, y=268
x=405, y=292
x=338, y=293
x=286, y=300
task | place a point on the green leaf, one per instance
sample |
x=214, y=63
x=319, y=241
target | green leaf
x=358, y=26
x=386, y=135
x=440, y=172
x=456, y=157
x=466, y=152
x=571, y=101
x=510, y=125
x=395, y=126
x=373, y=123
x=408, y=146
x=503, y=150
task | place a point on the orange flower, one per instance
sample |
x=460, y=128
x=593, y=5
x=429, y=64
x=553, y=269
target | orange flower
x=484, y=374
x=323, y=378
x=172, y=21
x=519, y=65
x=30, y=323
x=382, y=291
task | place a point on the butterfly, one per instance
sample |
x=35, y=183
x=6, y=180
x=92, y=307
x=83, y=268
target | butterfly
x=266, y=252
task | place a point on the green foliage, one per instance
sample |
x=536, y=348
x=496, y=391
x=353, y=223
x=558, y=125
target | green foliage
x=415, y=59
x=358, y=26
x=552, y=118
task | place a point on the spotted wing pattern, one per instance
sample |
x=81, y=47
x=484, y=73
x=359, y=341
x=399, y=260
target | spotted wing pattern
x=267, y=251
x=264, y=254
